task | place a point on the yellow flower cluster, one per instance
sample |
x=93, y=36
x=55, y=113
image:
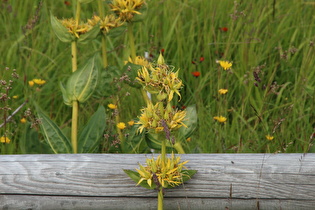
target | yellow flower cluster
x=139, y=60
x=75, y=28
x=157, y=117
x=162, y=173
x=160, y=80
x=4, y=139
x=126, y=9
x=107, y=23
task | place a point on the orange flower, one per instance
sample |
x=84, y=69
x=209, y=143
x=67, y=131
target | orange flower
x=225, y=29
x=196, y=73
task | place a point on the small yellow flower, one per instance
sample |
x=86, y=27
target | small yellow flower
x=112, y=106
x=31, y=83
x=188, y=139
x=39, y=81
x=223, y=91
x=15, y=97
x=131, y=122
x=270, y=138
x=23, y=120
x=226, y=65
x=5, y=139
x=121, y=125
x=220, y=119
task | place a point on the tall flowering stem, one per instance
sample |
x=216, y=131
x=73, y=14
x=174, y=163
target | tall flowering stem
x=160, y=120
x=75, y=103
x=104, y=51
x=160, y=199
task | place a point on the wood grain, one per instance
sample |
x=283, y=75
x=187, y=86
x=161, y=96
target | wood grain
x=96, y=181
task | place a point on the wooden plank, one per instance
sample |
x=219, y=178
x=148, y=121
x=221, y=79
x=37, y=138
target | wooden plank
x=96, y=181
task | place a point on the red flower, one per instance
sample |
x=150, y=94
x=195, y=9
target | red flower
x=193, y=62
x=225, y=29
x=183, y=107
x=201, y=59
x=195, y=73
x=67, y=3
x=162, y=51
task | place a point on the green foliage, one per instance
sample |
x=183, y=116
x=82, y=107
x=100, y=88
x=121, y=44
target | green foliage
x=91, y=134
x=54, y=137
x=61, y=31
x=81, y=84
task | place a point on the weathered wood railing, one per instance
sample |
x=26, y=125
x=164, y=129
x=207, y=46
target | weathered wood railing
x=97, y=181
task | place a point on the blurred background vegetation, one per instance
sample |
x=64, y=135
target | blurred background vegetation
x=271, y=85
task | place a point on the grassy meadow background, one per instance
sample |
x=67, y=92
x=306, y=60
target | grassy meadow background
x=271, y=86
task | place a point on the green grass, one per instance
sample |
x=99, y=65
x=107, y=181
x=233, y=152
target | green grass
x=281, y=105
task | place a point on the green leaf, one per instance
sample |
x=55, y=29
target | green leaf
x=29, y=142
x=57, y=141
x=90, y=35
x=132, y=71
x=136, y=177
x=154, y=142
x=115, y=32
x=60, y=31
x=92, y=132
x=66, y=98
x=135, y=142
x=106, y=86
x=82, y=83
x=190, y=122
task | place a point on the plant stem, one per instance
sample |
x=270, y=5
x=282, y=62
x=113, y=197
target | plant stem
x=74, y=56
x=75, y=104
x=163, y=150
x=160, y=199
x=179, y=148
x=100, y=8
x=131, y=41
x=74, y=126
x=104, y=52
x=77, y=13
